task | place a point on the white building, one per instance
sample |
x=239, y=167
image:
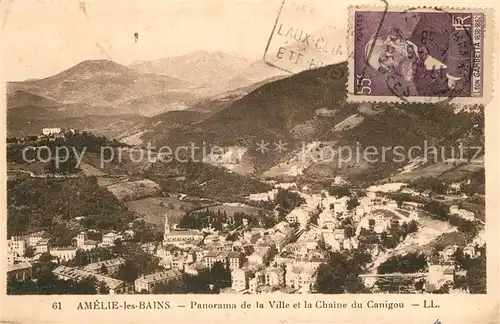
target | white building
x=439, y=273
x=298, y=278
x=11, y=257
x=273, y=277
x=63, y=253
x=240, y=279
x=260, y=256
x=17, y=245
x=42, y=246
x=298, y=215
x=180, y=237
x=463, y=213
x=339, y=181
x=392, y=204
x=110, y=238
x=51, y=131
x=331, y=241
x=33, y=238
x=326, y=219
x=148, y=282
x=82, y=242
x=340, y=205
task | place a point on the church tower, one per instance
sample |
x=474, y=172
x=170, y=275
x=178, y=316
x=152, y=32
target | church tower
x=80, y=240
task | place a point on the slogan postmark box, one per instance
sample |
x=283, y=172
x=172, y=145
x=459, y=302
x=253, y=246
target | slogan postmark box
x=306, y=37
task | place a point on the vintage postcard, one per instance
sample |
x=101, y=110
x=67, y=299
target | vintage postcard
x=276, y=161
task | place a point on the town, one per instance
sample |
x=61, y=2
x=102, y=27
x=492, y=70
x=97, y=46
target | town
x=392, y=237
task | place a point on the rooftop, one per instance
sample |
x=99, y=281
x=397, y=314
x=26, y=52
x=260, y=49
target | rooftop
x=79, y=274
x=212, y=254
x=108, y=263
x=184, y=233
x=167, y=274
x=18, y=266
x=234, y=254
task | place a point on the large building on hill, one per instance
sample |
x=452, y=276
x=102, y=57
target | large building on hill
x=180, y=237
x=51, y=131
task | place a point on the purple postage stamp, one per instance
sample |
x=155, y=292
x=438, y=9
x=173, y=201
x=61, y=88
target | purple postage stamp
x=420, y=55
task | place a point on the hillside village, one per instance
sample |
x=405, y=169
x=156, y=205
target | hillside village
x=255, y=224
x=393, y=237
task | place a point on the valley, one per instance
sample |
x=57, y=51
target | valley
x=280, y=175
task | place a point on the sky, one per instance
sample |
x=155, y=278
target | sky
x=44, y=38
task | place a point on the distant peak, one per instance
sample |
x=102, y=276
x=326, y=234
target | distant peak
x=99, y=62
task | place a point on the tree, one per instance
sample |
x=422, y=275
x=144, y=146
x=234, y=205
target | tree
x=81, y=258
x=103, y=288
x=437, y=210
x=62, y=167
x=321, y=245
x=361, y=193
x=339, y=191
x=476, y=275
x=412, y=227
x=287, y=201
x=444, y=289
x=87, y=286
x=170, y=287
x=127, y=271
x=315, y=215
x=419, y=285
x=104, y=269
x=99, y=254
x=409, y=263
x=158, y=236
x=220, y=276
x=340, y=274
x=45, y=257
x=354, y=284
x=352, y=203
x=432, y=183
x=29, y=252
x=118, y=247
x=399, y=201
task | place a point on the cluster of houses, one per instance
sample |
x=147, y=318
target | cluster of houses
x=247, y=255
x=453, y=189
x=17, y=246
x=20, y=267
x=282, y=258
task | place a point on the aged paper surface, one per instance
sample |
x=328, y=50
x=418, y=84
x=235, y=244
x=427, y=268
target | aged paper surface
x=250, y=161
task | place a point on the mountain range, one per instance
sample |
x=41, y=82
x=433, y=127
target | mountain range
x=139, y=104
x=105, y=88
x=213, y=71
x=311, y=107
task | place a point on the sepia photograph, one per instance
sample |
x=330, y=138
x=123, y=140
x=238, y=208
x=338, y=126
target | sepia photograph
x=251, y=148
